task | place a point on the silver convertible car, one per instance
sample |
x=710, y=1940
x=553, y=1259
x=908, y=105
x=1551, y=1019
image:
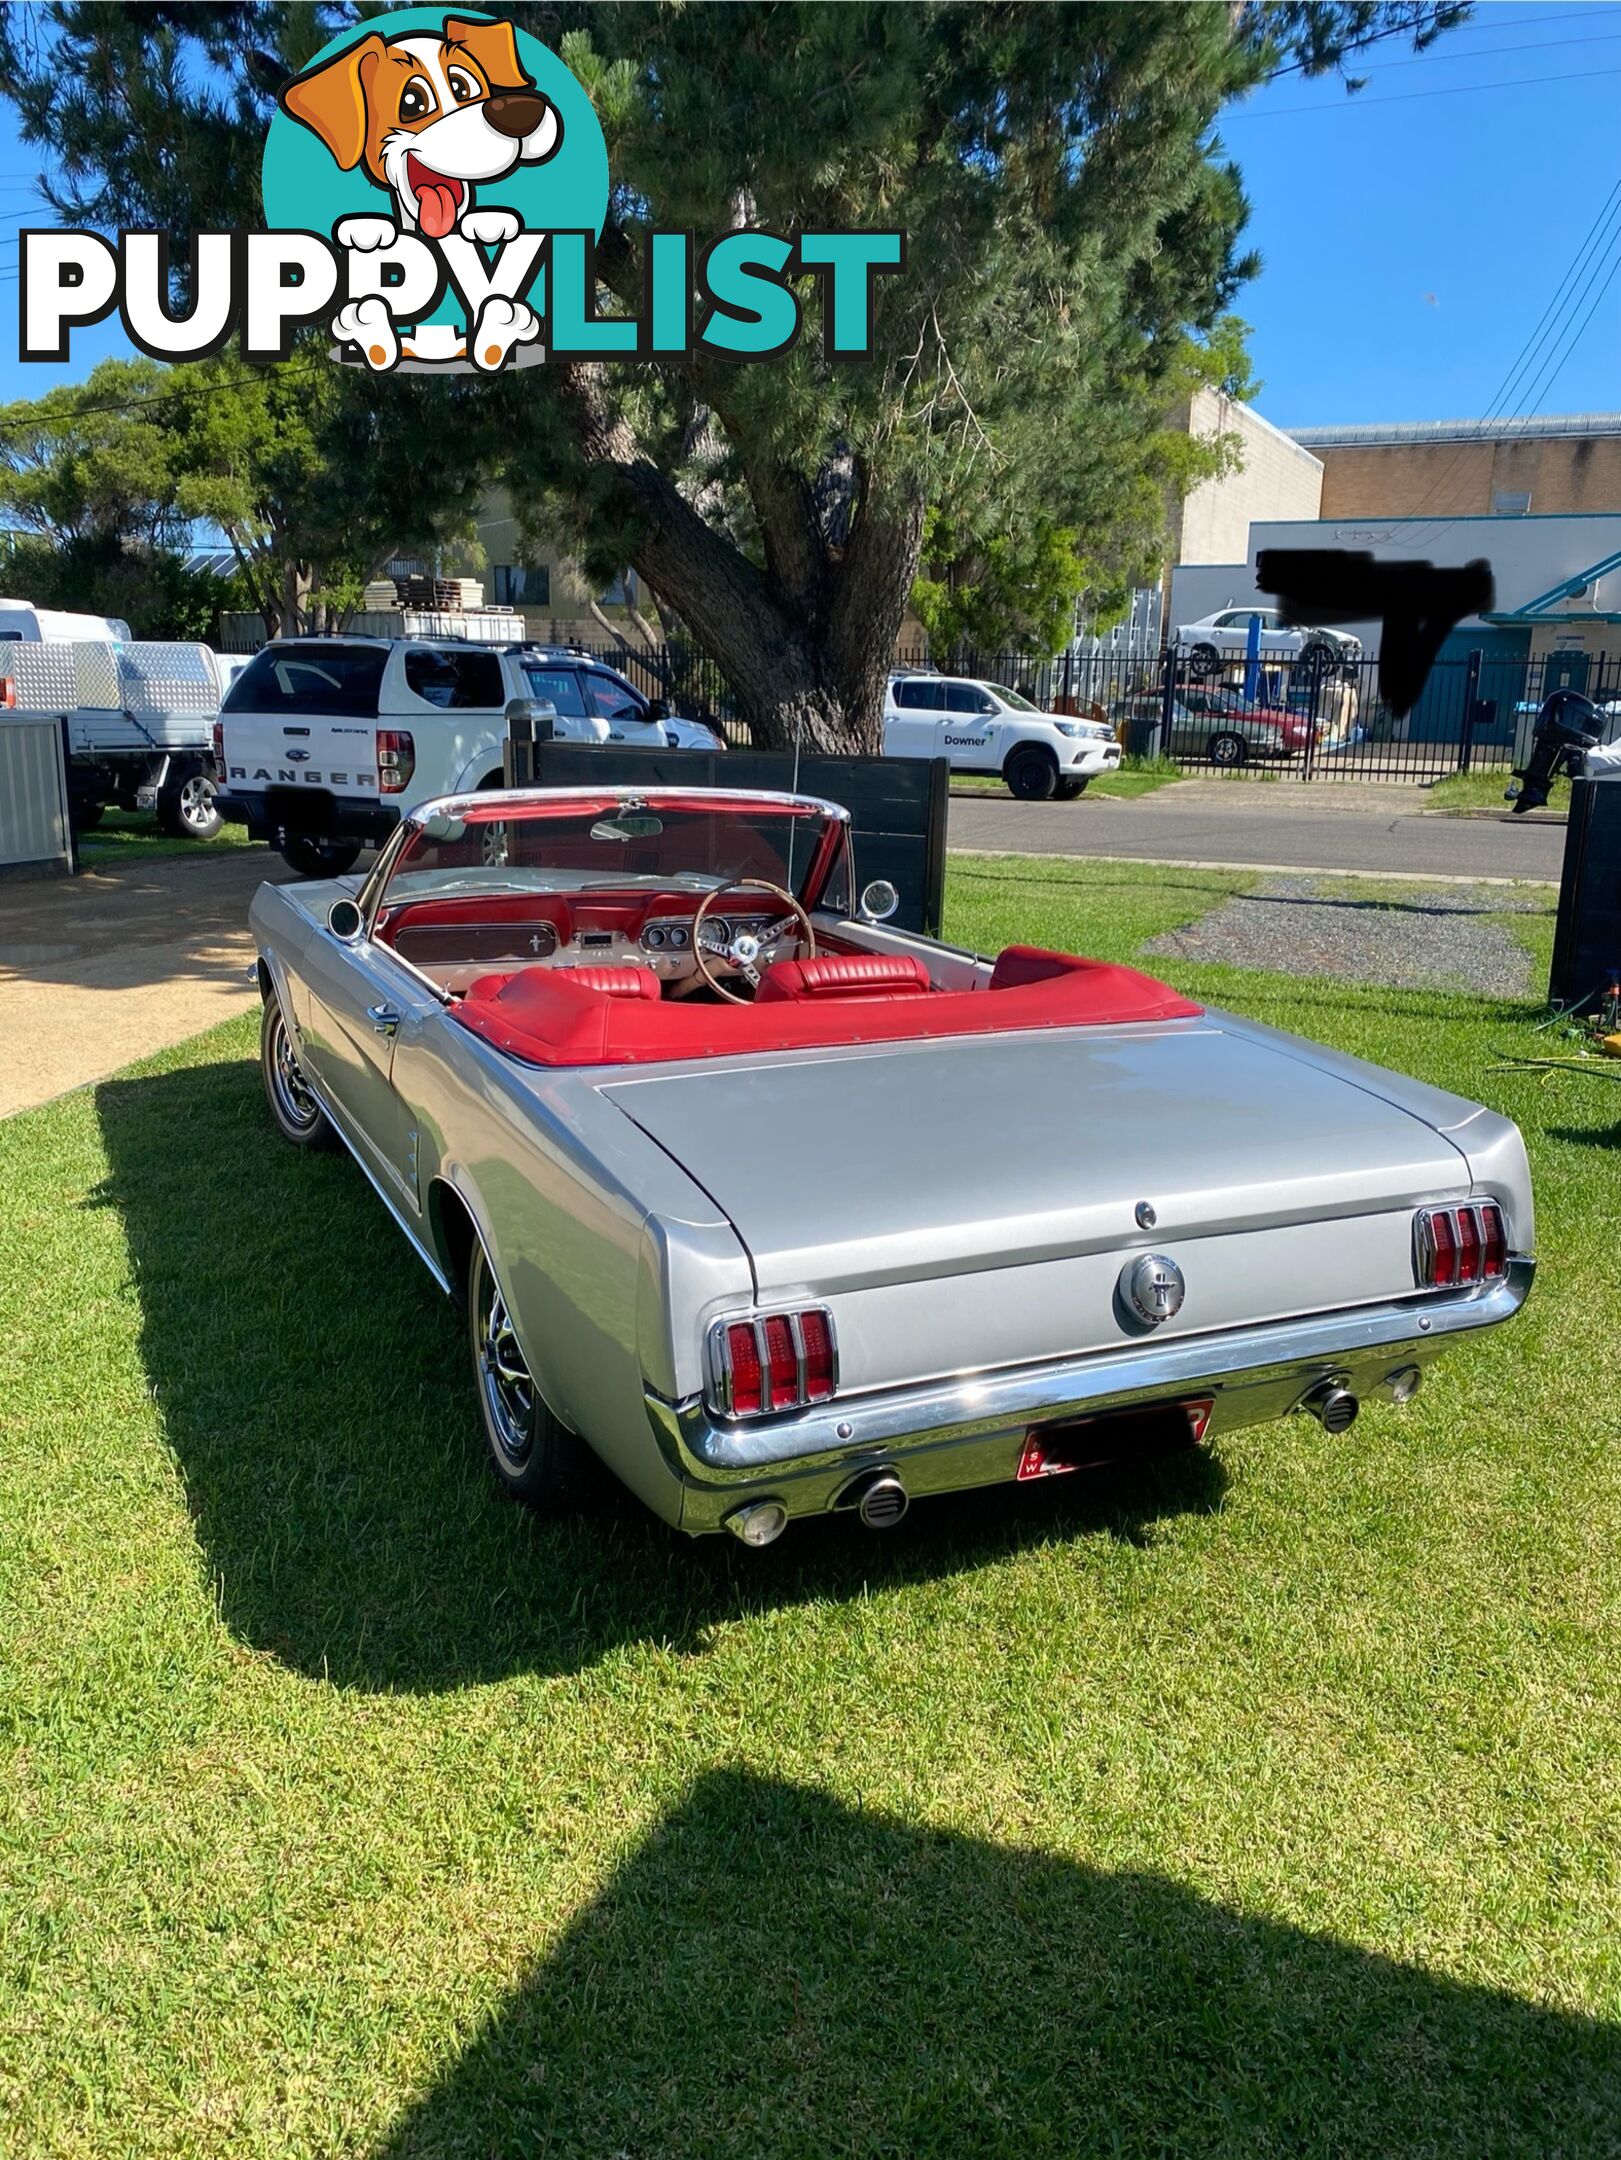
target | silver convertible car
x=779, y=1210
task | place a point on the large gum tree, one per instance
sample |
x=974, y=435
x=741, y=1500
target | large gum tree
x=1074, y=237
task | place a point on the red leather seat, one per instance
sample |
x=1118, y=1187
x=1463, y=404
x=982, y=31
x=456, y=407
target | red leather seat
x=844, y=975
x=616, y=982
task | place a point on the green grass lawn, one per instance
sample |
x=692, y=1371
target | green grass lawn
x=1483, y=791
x=1132, y=777
x=124, y=835
x=1267, y=1803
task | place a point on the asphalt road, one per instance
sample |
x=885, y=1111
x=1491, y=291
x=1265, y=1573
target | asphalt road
x=1159, y=828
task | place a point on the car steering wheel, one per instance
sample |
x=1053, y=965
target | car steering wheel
x=743, y=948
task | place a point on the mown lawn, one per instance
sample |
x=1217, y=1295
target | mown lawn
x=1460, y=792
x=124, y=835
x=1132, y=777
x=1262, y=1804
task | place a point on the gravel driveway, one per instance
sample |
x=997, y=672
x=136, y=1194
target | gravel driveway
x=1431, y=938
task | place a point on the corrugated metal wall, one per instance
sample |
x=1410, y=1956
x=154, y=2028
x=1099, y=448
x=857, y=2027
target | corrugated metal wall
x=33, y=795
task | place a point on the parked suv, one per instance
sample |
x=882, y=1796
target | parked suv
x=1219, y=640
x=323, y=743
x=983, y=727
x=577, y=685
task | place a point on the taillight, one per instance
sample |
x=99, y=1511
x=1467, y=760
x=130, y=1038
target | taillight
x=396, y=759
x=1454, y=1246
x=780, y=1361
x=219, y=748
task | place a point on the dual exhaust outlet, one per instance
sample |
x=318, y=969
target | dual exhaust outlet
x=878, y=1497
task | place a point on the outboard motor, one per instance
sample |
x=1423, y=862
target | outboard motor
x=1568, y=726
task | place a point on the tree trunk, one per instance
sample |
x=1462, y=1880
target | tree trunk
x=805, y=646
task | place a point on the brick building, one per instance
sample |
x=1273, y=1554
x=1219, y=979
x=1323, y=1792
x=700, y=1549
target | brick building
x=1567, y=464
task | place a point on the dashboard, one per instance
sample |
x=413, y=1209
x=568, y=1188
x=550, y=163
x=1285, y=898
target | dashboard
x=457, y=940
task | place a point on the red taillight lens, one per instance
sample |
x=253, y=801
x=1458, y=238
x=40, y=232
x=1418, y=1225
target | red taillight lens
x=396, y=759
x=818, y=1356
x=747, y=1377
x=781, y=1361
x=219, y=748
x=1454, y=1246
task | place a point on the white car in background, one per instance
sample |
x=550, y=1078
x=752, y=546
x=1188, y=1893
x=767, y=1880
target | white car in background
x=1217, y=641
x=983, y=727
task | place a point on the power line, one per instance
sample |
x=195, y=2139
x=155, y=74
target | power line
x=1408, y=97
x=168, y=397
x=1493, y=52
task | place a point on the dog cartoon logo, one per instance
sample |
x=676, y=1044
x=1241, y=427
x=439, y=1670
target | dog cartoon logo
x=432, y=114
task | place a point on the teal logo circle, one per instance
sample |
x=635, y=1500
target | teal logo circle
x=325, y=165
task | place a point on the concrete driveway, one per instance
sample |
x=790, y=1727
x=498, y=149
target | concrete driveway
x=110, y=966
x=1382, y=831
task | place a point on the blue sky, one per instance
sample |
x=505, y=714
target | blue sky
x=1411, y=236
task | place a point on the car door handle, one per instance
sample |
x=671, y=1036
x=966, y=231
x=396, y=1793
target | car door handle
x=384, y=1019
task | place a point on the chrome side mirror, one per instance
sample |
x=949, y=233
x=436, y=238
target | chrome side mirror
x=879, y=900
x=345, y=921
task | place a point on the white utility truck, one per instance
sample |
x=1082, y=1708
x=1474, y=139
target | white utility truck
x=138, y=717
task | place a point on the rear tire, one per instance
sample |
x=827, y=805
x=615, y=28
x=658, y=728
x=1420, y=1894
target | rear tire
x=1203, y=660
x=318, y=858
x=1227, y=750
x=298, y=1117
x=185, y=805
x=536, y=1460
x=1070, y=790
x=1031, y=775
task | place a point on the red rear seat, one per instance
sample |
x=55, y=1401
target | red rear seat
x=844, y=975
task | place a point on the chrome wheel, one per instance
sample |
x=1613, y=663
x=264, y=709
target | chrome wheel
x=509, y=1392
x=293, y=1098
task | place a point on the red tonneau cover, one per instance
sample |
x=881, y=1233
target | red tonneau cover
x=541, y=1015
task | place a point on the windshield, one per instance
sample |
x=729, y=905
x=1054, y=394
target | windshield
x=614, y=847
x=1013, y=698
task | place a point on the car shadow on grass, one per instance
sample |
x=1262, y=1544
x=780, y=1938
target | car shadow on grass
x=316, y=1390
x=773, y=1973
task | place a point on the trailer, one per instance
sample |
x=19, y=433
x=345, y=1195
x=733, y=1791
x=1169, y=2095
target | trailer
x=139, y=722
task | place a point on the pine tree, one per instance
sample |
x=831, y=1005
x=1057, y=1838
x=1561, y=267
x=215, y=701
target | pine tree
x=1074, y=232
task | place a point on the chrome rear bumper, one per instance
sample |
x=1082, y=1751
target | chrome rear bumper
x=970, y=1430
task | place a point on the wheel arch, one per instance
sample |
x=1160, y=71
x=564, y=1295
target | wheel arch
x=455, y=1233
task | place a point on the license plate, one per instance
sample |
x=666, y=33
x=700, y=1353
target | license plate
x=1113, y=1436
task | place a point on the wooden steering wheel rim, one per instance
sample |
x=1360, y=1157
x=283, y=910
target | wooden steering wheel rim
x=747, y=884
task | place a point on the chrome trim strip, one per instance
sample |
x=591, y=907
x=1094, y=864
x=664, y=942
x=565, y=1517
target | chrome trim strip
x=971, y=1405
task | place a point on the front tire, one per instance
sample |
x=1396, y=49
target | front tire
x=185, y=806
x=1071, y=790
x=1031, y=775
x=298, y=1117
x=1204, y=660
x=318, y=858
x=1228, y=750
x=537, y=1461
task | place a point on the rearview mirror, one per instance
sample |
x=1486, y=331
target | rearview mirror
x=879, y=901
x=627, y=828
x=345, y=921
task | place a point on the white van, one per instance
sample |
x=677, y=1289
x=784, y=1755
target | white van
x=21, y=623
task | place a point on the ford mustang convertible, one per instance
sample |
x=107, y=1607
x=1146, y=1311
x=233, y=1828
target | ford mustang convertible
x=778, y=1209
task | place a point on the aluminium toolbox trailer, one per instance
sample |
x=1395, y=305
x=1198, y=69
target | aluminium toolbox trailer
x=140, y=725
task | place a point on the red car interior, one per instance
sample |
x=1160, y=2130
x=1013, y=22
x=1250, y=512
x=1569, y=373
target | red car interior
x=586, y=1016
x=844, y=975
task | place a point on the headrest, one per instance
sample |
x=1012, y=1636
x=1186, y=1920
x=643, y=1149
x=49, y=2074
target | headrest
x=844, y=975
x=616, y=982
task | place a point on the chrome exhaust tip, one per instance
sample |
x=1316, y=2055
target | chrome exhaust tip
x=1334, y=1408
x=883, y=1501
x=762, y=1522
